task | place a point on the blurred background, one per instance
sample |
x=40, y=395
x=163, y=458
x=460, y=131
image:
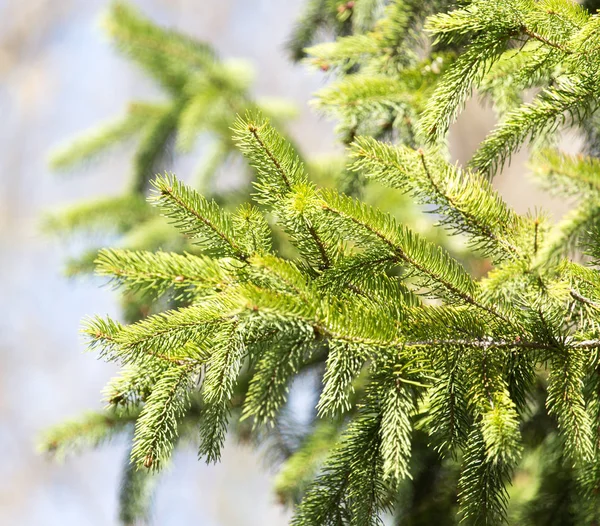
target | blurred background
x=58, y=76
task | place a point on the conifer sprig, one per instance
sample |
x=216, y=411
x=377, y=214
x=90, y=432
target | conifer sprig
x=568, y=79
x=187, y=274
x=197, y=217
x=467, y=200
x=156, y=427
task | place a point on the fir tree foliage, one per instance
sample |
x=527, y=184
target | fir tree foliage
x=405, y=350
x=421, y=362
x=558, y=38
x=386, y=73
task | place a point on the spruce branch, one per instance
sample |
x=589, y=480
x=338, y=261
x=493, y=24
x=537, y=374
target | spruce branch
x=156, y=427
x=569, y=97
x=482, y=493
x=278, y=167
x=217, y=390
x=91, y=430
x=168, y=56
x=465, y=198
x=280, y=178
x=197, y=217
x=157, y=272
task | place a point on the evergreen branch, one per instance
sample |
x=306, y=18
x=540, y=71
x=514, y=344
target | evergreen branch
x=217, y=390
x=344, y=363
x=572, y=175
x=194, y=116
x=464, y=363
x=170, y=336
x=314, y=16
x=160, y=271
x=320, y=246
x=544, y=40
x=153, y=145
x=361, y=96
x=583, y=299
x=458, y=83
x=365, y=274
x=437, y=269
x=271, y=156
x=168, y=56
x=285, y=273
x=490, y=398
x=91, y=430
x=278, y=167
x=133, y=384
x=369, y=327
x=302, y=220
x=281, y=176
x=432, y=263
x=156, y=427
x=479, y=17
x=350, y=489
x=253, y=229
x=111, y=215
x=197, y=217
x=573, y=96
x=334, y=325
x=566, y=402
x=97, y=141
x=564, y=236
x=268, y=388
x=500, y=430
x=466, y=199
x=516, y=71
x=396, y=429
x=345, y=52
x=448, y=418
x=482, y=493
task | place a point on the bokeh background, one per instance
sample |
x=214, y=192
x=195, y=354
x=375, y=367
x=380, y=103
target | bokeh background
x=58, y=76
